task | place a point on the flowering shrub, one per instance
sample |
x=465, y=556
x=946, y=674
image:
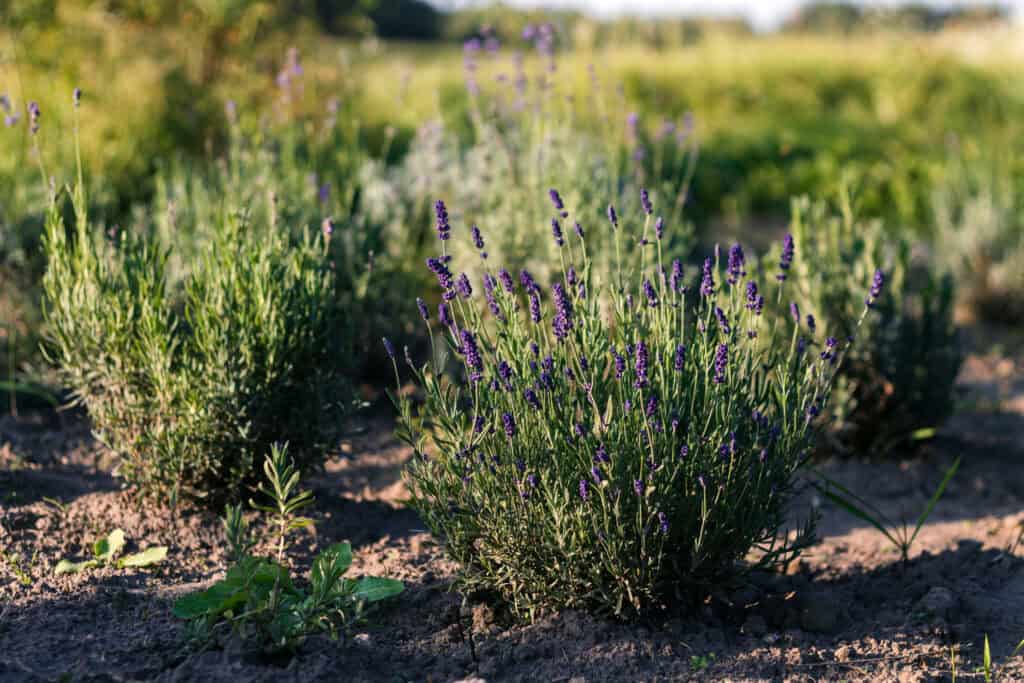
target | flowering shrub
x=189, y=381
x=896, y=384
x=609, y=448
x=529, y=132
x=980, y=235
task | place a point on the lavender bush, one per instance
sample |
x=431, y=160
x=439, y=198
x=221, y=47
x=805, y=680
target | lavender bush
x=528, y=130
x=896, y=386
x=611, y=448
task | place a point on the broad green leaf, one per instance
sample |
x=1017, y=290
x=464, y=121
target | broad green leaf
x=372, y=589
x=146, y=558
x=69, y=567
x=106, y=549
x=329, y=566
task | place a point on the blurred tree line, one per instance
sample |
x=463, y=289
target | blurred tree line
x=849, y=17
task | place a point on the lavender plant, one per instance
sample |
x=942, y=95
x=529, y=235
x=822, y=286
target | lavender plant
x=530, y=132
x=896, y=386
x=611, y=448
x=188, y=383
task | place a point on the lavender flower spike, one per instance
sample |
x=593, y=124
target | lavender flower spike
x=443, y=227
x=471, y=352
x=556, y=199
x=613, y=217
x=787, y=257
x=645, y=201
x=721, y=362
x=876, y=288
x=707, y=283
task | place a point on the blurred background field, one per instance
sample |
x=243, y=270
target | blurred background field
x=915, y=110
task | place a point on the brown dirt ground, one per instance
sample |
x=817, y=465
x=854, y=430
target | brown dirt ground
x=848, y=610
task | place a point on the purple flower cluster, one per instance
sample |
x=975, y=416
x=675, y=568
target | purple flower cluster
x=424, y=312
x=444, y=229
x=471, y=352
x=562, y=323
x=556, y=232
x=613, y=217
x=444, y=314
x=707, y=283
x=659, y=227
x=876, y=288
x=829, y=353
x=721, y=363
x=478, y=239
x=438, y=268
x=736, y=263
x=645, y=201
x=509, y=422
x=787, y=257
x=33, y=117
x=652, y=296
x=534, y=307
x=680, y=358
x=463, y=286
x=676, y=279
x=640, y=365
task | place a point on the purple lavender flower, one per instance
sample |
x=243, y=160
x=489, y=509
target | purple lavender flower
x=584, y=364
x=676, y=279
x=389, y=347
x=562, y=323
x=534, y=349
x=584, y=489
x=444, y=276
x=652, y=406
x=556, y=199
x=723, y=322
x=652, y=296
x=811, y=324
x=663, y=522
x=324, y=193
x=509, y=423
x=478, y=239
x=527, y=281
x=645, y=201
x=620, y=365
x=556, y=232
x=444, y=230
x=684, y=451
x=579, y=230
x=601, y=455
x=471, y=352
x=640, y=365
x=876, y=288
x=751, y=295
x=613, y=218
x=721, y=362
x=638, y=486
x=424, y=313
x=829, y=353
x=506, y=280
x=505, y=370
x=794, y=311
x=33, y=117
x=787, y=257
x=707, y=283
x=76, y=97
x=444, y=314
x=659, y=227
x=680, y=358
x=736, y=262
x=534, y=307
x=595, y=473
x=531, y=398
x=463, y=286
x=478, y=424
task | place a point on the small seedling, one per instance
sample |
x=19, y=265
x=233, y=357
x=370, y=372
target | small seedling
x=258, y=600
x=105, y=551
x=901, y=535
x=13, y=562
x=987, y=661
x=701, y=662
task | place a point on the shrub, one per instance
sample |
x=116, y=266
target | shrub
x=896, y=385
x=980, y=235
x=188, y=384
x=611, y=448
x=535, y=132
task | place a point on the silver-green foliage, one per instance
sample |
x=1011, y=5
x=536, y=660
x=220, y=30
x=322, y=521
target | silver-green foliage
x=105, y=551
x=896, y=384
x=188, y=381
x=258, y=600
x=639, y=451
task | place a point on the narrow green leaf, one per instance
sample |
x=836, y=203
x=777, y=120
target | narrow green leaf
x=146, y=558
x=372, y=589
x=987, y=661
x=934, y=499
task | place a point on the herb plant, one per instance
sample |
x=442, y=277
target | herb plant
x=896, y=384
x=105, y=551
x=257, y=599
x=188, y=382
x=612, y=448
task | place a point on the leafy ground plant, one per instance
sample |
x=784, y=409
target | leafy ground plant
x=900, y=535
x=257, y=599
x=612, y=448
x=105, y=551
x=188, y=383
x=896, y=383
